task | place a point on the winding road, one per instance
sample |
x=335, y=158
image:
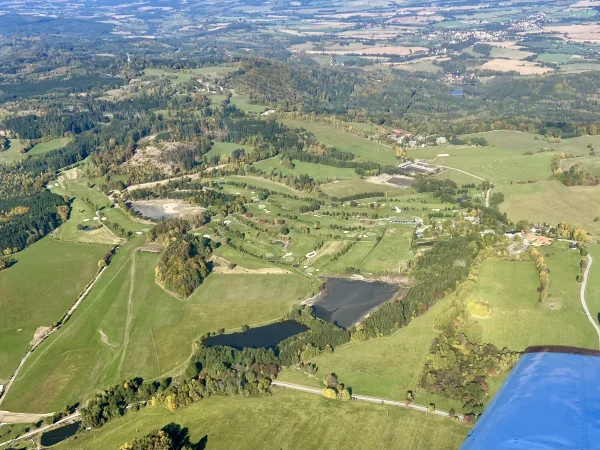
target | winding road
x=582, y=297
x=489, y=191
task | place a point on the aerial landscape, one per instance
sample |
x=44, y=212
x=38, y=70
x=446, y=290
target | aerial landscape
x=311, y=224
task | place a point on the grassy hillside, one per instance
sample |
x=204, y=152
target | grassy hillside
x=517, y=319
x=128, y=326
x=363, y=149
x=553, y=202
x=12, y=154
x=38, y=290
x=289, y=420
x=316, y=171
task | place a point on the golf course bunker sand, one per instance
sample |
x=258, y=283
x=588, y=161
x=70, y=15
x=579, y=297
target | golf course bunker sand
x=165, y=209
x=345, y=302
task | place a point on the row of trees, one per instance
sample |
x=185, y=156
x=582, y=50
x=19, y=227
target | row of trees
x=540, y=265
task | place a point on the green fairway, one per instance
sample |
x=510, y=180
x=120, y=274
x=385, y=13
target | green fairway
x=517, y=319
x=74, y=185
x=363, y=149
x=38, y=290
x=354, y=187
x=553, y=202
x=184, y=75
x=316, y=171
x=261, y=183
x=391, y=252
x=285, y=420
x=12, y=154
x=83, y=214
x=128, y=326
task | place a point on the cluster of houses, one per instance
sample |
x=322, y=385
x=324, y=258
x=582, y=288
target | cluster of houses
x=407, y=139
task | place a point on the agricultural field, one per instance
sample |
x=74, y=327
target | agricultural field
x=185, y=76
x=315, y=171
x=363, y=149
x=38, y=290
x=517, y=319
x=553, y=202
x=266, y=422
x=128, y=326
x=12, y=154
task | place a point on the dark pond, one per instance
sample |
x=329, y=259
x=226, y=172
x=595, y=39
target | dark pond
x=261, y=337
x=403, y=182
x=344, y=302
x=59, y=434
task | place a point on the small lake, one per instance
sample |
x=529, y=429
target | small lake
x=261, y=337
x=59, y=434
x=344, y=301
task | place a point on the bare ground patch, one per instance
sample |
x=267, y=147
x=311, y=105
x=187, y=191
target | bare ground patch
x=39, y=334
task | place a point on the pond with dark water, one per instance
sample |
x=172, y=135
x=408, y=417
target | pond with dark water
x=57, y=435
x=345, y=302
x=261, y=337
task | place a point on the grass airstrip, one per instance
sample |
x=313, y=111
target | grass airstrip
x=128, y=326
x=38, y=290
x=287, y=419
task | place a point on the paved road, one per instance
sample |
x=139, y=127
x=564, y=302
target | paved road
x=364, y=398
x=72, y=418
x=582, y=297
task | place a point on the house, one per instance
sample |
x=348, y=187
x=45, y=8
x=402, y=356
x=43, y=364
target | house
x=536, y=241
x=441, y=140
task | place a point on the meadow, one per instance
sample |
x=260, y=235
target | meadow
x=286, y=419
x=363, y=149
x=128, y=326
x=12, y=154
x=38, y=290
x=315, y=171
x=384, y=367
x=552, y=202
x=225, y=148
x=518, y=320
x=353, y=187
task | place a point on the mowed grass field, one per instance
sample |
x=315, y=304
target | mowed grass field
x=504, y=161
x=385, y=367
x=316, y=171
x=38, y=290
x=552, y=202
x=80, y=211
x=12, y=154
x=352, y=187
x=517, y=319
x=392, y=252
x=73, y=185
x=362, y=149
x=285, y=420
x=128, y=326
